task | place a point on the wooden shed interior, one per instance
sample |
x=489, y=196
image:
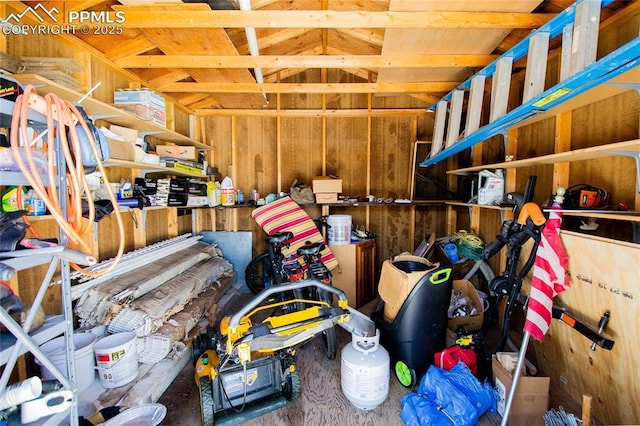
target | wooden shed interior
x=270, y=91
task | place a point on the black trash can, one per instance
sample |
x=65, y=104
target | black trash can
x=419, y=329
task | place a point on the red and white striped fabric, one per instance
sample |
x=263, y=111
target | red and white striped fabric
x=550, y=277
x=284, y=214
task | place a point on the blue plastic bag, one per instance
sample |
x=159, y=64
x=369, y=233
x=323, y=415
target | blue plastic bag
x=481, y=396
x=452, y=397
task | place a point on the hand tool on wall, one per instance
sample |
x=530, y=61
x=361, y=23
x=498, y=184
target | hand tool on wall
x=595, y=336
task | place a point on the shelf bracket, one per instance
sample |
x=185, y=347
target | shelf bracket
x=148, y=133
x=505, y=140
x=95, y=117
x=636, y=156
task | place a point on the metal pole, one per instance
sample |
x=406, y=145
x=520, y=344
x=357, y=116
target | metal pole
x=515, y=376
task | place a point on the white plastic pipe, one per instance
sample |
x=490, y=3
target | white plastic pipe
x=252, y=41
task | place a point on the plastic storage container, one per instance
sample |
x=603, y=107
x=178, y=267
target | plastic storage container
x=84, y=362
x=339, y=232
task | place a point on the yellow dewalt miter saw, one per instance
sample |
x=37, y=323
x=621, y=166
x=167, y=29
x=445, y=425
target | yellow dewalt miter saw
x=247, y=368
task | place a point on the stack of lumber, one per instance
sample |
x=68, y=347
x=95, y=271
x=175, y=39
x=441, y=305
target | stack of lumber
x=9, y=63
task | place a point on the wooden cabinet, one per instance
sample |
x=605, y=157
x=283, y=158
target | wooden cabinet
x=356, y=273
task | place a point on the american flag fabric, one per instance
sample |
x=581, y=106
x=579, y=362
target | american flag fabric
x=550, y=277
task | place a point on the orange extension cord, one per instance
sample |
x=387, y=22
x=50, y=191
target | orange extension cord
x=65, y=114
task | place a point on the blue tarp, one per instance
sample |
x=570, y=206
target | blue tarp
x=453, y=397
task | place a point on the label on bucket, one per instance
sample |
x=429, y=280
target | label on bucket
x=114, y=356
x=117, y=359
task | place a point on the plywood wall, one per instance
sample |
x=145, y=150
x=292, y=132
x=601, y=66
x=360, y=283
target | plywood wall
x=371, y=154
x=604, y=277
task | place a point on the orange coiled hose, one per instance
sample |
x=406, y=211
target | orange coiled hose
x=66, y=115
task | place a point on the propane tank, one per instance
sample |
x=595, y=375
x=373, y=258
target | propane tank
x=365, y=372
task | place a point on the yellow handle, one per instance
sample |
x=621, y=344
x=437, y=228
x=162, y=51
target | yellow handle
x=440, y=276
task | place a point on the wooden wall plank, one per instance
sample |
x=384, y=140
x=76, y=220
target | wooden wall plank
x=302, y=154
x=600, y=281
x=347, y=153
x=612, y=120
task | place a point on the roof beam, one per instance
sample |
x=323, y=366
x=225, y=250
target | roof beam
x=367, y=35
x=363, y=112
x=307, y=61
x=136, y=18
x=442, y=86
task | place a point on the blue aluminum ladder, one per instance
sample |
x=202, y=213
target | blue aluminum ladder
x=579, y=72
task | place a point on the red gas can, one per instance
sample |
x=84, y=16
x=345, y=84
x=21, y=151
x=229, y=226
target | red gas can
x=454, y=354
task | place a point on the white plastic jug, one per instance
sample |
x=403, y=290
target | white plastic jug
x=227, y=192
x=490, y=187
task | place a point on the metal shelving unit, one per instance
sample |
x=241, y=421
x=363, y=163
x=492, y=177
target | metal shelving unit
x=21, y=341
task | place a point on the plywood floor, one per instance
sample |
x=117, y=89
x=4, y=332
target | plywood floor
x=321, y=401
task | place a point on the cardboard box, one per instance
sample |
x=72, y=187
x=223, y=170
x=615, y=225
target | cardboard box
x=121, y=150
x=326, y=184
x=197, y=201
x=136, y=96
x=126, y=133
x=468, y=292
x=177, y=151
x=531, y=399
x=146, y=112
x=145, y=104
x=326, y=197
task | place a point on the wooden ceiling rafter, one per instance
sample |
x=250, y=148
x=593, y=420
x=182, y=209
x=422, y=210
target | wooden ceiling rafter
x=318, y=88
x=274, y=39
x=136, y=18
x=352, y=112
x=138, y=46
x=296, y=36
x=324, y=60
x=373, y=36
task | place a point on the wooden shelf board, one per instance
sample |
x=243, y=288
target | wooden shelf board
x=560, y=157
x=108, y=112
x=482, y=206
x=150, y=168
x=598, y=93
x=630, y=216
x=599, y=238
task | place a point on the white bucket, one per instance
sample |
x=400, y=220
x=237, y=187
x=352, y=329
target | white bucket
x=117, y=359
x=339, y=232
x=85, y=367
